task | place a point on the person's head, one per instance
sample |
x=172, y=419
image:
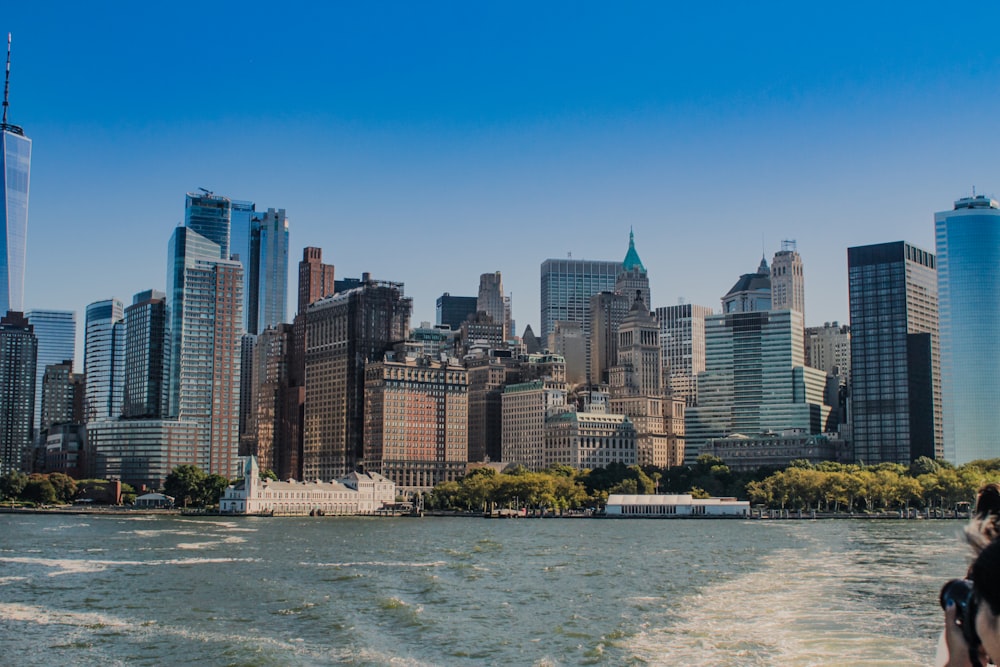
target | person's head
x=985, y=576
x=984, y=527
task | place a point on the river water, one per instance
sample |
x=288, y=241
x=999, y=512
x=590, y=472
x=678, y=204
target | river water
x=142, y=590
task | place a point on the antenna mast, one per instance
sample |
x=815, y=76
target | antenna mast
x=6, y=83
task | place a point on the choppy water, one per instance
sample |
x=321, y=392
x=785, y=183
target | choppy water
x=94, y=590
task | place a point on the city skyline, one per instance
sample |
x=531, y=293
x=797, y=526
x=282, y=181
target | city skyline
x=420, y=128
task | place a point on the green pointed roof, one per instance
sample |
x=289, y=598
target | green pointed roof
x=632, y=260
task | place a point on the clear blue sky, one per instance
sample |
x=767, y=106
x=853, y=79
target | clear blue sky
x=430, y=142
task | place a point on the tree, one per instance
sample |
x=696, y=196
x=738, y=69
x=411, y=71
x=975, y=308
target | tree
x=64, y=485
x=39, y=490
x=268, y=474
x=12, y=485
x=210, y=489
x=185, y=484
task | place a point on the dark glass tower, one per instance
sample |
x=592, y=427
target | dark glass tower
x=895, y=368
x=18, y=354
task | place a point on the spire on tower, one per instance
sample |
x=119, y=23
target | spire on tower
x=4, y=125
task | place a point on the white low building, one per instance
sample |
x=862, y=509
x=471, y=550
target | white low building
x=670, y=506
x=358, y=493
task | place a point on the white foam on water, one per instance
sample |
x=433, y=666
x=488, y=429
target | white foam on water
x=86, y=566
x=9, y=580
x=377, y=563
x=793, y=610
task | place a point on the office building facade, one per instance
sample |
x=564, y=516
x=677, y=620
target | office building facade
x=453, y=310
x=566, y=288
x=104, y=359
x=788, y=289
x=210, y=215
x=146, y=360
x=267, y=271
x=896, y=407
x=682, y=348
x=18, y=356
x=968, y=257
x=15, y=168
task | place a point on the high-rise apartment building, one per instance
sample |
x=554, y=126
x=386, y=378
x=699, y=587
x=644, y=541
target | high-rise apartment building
x=416, y=421
x=205, y=310
x=62, y=395
x=566, y=288
x=56, y=334
x=453, y=310
x=241, y=214
x=15, y=168
x=343, y=333
x=209, y=215
x=267, y=271
x=968, y=265
x=788, y=291
x=18, y=355
x=104, y=359
x=146, y=360
x=895, y=365
x=755, y=380
x=682, y=348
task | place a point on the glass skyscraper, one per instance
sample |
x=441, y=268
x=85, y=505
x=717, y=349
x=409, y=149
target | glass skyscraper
x=267, y=271
x=895, y=360
x=15, y=169
x=104, y=359
x=209, y=215
x=56, y=334
x=968, y=253
x=567, y=285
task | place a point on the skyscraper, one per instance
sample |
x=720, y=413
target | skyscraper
x=632, y=281
x=15, y=169
x=146, y=360
x=209, y=215
x=453, y=310
x=18, y=354
x=343, y=333
x=895, y=368
x=104, y=359
x=567, y=285
x=751, y=293
x=968, y=256
x=205, y=310
x=492, y=301
x=682, y=348
x=755, y=380
x=788, y=291
x=267, y=271
x=56, y=334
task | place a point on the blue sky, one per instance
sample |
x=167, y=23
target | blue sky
x=430, y=142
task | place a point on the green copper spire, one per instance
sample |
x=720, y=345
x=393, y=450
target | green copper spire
x=632, y=260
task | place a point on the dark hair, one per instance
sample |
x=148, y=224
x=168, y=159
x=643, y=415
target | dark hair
x=985, y=575
x=984, y=527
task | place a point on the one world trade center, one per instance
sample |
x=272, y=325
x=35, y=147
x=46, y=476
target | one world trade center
x=15, y=164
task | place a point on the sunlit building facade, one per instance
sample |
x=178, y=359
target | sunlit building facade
x=15, y=169
x=968, y=265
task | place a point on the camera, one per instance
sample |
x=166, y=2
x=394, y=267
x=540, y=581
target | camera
x=960, y=592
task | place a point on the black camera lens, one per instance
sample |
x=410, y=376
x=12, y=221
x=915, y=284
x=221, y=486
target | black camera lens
x=960, y=592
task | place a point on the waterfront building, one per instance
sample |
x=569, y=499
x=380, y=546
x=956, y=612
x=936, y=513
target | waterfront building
x=146, y=362
x=751, y=293
x=453, y=310
x=142, y=452
x=525, y=406
x=968, y=257
x=746, y=453
x=104, y=359
x=209, y=215
x=416, y=420
x=343, y=333
x=267, y=271
x=788, y=291
x=670, y=506
x=566, y=288
x=586, y=440
x=205, y=311
x=682, y=348
x=18, y=355
x=356, y=493
x=56, y=334
x=755, y=380
x=15, y=167
x=895, y=364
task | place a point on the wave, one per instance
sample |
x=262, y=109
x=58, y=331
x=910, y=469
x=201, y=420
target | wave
x=377, y=563
x=87, y=566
